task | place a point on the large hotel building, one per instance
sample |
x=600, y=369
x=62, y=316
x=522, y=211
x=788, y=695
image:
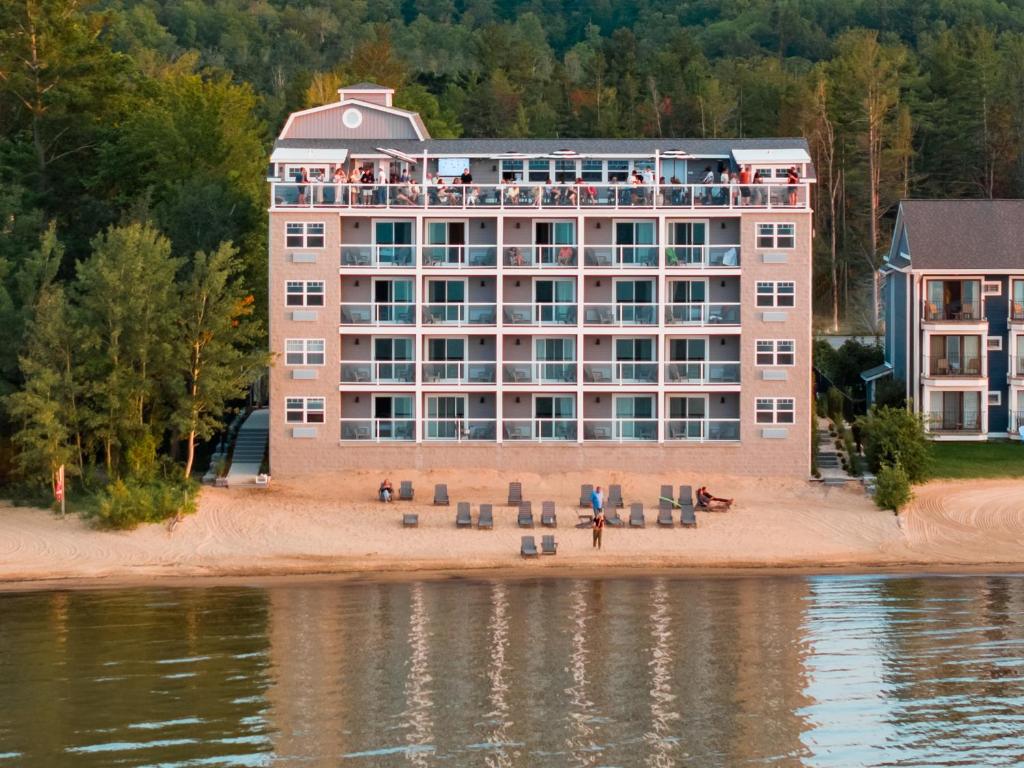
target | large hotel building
x=535, y=304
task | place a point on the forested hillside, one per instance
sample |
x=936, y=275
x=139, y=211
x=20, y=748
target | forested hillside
x=157, y=115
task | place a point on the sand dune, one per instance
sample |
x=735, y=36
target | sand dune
x=333, y=523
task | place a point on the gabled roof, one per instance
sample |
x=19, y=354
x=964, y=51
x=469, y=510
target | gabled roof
x=964, y=234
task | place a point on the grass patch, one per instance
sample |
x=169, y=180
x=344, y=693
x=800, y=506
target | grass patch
x=977, y=460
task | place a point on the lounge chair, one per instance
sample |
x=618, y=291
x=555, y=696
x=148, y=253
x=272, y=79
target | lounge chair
x=463, y=519
x=405, y=492
x=636, y=516
x=410, y=520
x=441, y=495
x=515, y=494
x=548, y=545
x=615, y=497
x=547, y=514
x=686, y=513
x=611, y=517
x=585, y=492
x=665, y=517
x=486, y=518
x=525, y=518
x=665, y=498
x=528, y=548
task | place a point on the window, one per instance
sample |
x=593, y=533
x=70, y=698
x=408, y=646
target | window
x=995, y=397
x=304, y=352
x=304, y=410
x=992, y=288
x=994, y=343
x=618, y=171
x=775, y=410
x=781, y=294
x=593, y=170
x=540, y=170
x=776, y=351
x=304, y=235
x=511, y=170
x=776, y=235
x=565, y=171
x=308, y=293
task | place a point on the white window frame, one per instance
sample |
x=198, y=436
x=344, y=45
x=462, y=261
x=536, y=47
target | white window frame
x=774, y=408
x=994, y=343
x=307, y=410
x=774, y=352
x=991, y=288
x=304, y=352
x=995, y=397
x=776, y=239
x=307, y=239
x=306, y=293
x=775, y=294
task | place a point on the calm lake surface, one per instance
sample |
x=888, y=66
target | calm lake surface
x=818, y=671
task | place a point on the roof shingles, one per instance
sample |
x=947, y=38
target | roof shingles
x=964, y=234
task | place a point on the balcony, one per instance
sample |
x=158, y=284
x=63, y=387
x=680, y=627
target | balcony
x=459, y=430
x=703, y=430
x=951, y=367
x=527, y=195
x=702, y=372
x=540, y=429
x=625, y=372
x=377, y=372
x=621, y=256
x=540, y=256
x=620, y=313
x=378, y=256
x=460, y=314
x=703, y=313
x=953, y=422
x=562, y=372
x=1016, y=366
x=1016, y=422
x=460, y=256
x=702, y=256
x=620, y=430
x=450, y=372
x=385, y=313
x=379, y=430
x=539, y=313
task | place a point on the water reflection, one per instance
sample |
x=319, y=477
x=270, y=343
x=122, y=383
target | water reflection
x=830, y=671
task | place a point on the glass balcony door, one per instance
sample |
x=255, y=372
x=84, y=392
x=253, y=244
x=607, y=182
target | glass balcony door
x=634, y=417
x=393, y=359
x=635, y=301
x=634, y=360
x=555, y=242
x=393, y=417
x=555, y=359
x=445, y=359
x=393, y=300
x=555, y=301
x=635, y=242
x=394, y=242
x=687, y=240
x=686, y=417
x=446, y=243
x=687, y=360
x=446, y=299
x=555, y=417
x=445, y=416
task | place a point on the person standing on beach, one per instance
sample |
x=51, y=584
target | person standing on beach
x=597, y=500
x=598, y=528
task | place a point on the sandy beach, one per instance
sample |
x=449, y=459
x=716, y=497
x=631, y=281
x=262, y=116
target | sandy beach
x=333, y=525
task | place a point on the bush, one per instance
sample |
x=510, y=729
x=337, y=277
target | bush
x=896, y=435
x=124, y=505
x=892, y=392
x=835, y=405
x=852, y=454
x=892, y=487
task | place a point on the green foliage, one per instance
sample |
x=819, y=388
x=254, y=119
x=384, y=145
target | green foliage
x=835, y=402
x=891, y=392
x=896, y=435
x=124, y=504
x=892, y=487
x=1003, y=458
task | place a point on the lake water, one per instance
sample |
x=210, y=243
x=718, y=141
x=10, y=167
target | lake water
x=817, y=671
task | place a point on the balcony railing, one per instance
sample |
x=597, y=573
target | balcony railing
x=1016, y=422
x=460, y=314
x=954, y=312
x=561, y=372
x=621, y=256
x=703, y=313
x=378, y=430
x=620, y=430
x=702, y=256
x=460, y=256
x=539, y=313
x=1017, y=366
x=459, y=430
x=620, y=313
x=384, y=313
x=544, y=196
x=951, y=366
x=542, y=429
x=381, y=256
x=625, y=372
x=459, y=372
x=1017, y=311
x=539, y=256
x=940, y=421
x=706, y=372
x=377, y=372
x=703, y=430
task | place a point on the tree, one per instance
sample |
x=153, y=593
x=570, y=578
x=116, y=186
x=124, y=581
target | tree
x=892, y=487
x=896, y=435
x=215, y=358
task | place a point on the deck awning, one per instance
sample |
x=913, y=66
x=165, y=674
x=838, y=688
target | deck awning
x=878, y=372
x=399, y=155
x=308, y=155
x=771, y=156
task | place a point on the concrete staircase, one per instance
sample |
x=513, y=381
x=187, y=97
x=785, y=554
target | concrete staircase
x=828, y=460
x=250, y=448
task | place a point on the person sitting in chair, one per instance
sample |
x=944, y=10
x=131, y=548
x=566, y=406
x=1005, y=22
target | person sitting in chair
x=385, y=491
x=706, y=501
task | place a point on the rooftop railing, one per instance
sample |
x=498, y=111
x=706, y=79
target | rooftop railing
x=527, y=195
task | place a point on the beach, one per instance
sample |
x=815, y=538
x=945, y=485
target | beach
x=333, y=524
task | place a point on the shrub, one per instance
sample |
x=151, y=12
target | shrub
x=896, y=435
x=852, y=454
x=892, y=392
x=124, y=505
x=892, y=487
x=835, y=405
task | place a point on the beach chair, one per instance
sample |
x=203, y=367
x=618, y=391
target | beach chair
x=686, y=513
x=528, y=548
x=515, y=494
x=441, y=495
x=665, y=498
x=665, y=517
x=525, y=518
x=611, y=517
x=547, y=514
x=486, y=518
x=636, y=516
x=405, y=492
x=463, y=519
x=410, y=520
x=548, y=545
x=615, y=497
x=585, y=492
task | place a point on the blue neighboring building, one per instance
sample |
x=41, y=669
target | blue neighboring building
x=953, y=298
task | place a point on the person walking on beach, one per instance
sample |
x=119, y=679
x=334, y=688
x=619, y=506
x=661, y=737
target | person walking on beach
x=597, y=500
x=598, y=528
